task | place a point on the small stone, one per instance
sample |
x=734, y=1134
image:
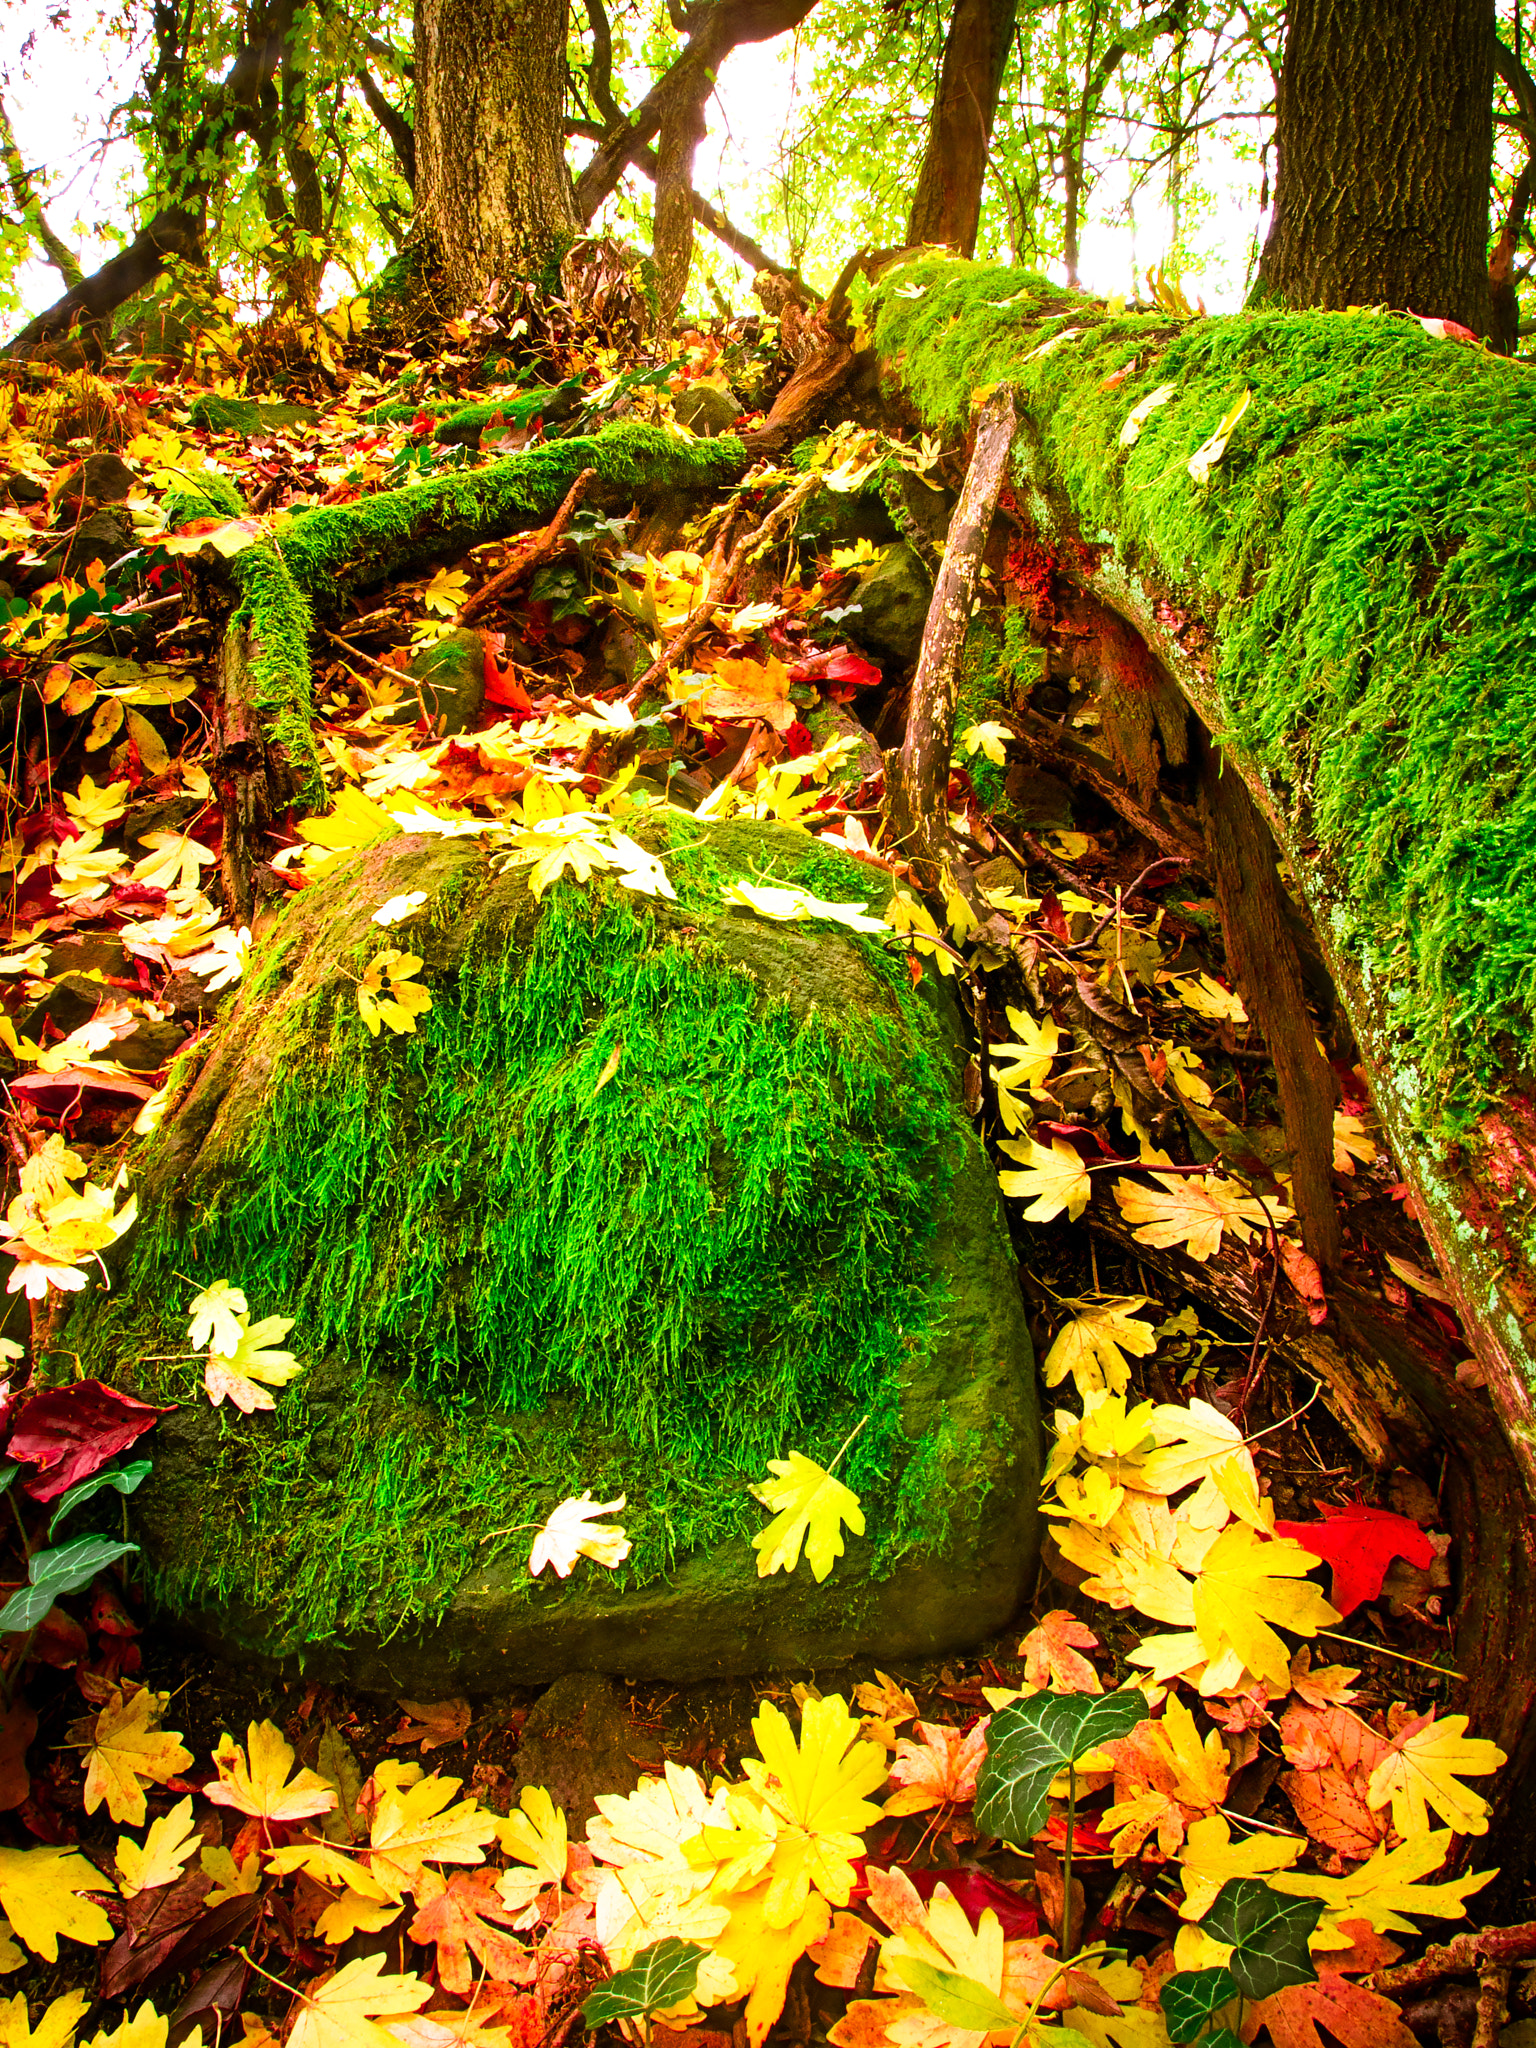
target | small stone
x=102, y=479
x=893, y=600
x=580, y=1740
x=707, y=410
x=104, y=537
x=227, y=416
x=451, y=675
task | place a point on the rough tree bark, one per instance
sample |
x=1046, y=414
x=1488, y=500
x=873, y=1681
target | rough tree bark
x=493, y=195
x=946, y=206
x=1384, y=142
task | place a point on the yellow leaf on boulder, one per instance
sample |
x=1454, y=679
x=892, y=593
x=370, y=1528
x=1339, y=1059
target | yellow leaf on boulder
x=809, y=1506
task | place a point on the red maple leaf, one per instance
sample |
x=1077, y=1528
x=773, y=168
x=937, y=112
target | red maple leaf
x=1359, y=1542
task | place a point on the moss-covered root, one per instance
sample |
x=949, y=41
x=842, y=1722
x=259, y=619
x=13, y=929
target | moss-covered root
x=266, y=662
x=331, y=549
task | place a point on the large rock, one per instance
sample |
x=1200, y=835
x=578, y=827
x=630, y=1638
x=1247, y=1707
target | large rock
x=655, y=1192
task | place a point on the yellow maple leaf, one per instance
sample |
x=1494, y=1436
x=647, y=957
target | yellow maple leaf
x=1210, y=1857
x=1207, y=998
x=162, y=1855
x=1092, y=1345
x=97, y=808
x=817, y=1789
x=345, y=2011
x=1055, y=1177
x=129, y=1750
x=354, y=820
x=416, y=1823
x=406, y=1000
x=256, y=1780
x=1024, y=1062
x=1387, y=1886
x=146, y=2028
x=1422, y=1769
x=252, y=1360
x=1198, y=1446
x=913, y=921
x=53, y=2030
x=761, y=1955
x=40, y=1892
x=1192, y=1211
x=809, y=1506
x=1244, y=1584
x=537, y=1837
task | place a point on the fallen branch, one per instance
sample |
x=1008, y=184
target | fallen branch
x=537, y=549
x=1461, y=1957
x=917, y=785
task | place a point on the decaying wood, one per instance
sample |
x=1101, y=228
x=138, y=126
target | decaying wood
x=917, y=778
x=253, y=785
x=1266, y=967
x=1460, y=1957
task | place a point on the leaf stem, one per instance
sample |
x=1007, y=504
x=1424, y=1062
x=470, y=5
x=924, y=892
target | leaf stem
x=1066, y=1864
x=847, y=1440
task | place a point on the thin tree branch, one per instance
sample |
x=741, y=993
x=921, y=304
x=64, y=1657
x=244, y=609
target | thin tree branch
x=402, y=136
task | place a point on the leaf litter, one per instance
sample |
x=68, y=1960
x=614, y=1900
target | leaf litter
x=835, y=1842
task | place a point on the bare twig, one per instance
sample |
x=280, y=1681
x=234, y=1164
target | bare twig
x=540, y=547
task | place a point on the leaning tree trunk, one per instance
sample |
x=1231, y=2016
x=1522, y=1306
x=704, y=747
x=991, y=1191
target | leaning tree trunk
x=1384, y=142
x=493, y=194
x=946, y=207
x=1335, y=605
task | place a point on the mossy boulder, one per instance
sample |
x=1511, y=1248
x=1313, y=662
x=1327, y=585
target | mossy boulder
x=448, y=683
x=655, y=1192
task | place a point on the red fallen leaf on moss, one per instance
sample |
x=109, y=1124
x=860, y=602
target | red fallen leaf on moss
x=71, y=1432
x=1359, y=1542
x=975, y=1892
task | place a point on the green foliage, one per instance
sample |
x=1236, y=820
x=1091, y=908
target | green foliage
x=1191, y=1999
x=1268, y=1932
x=1366, y=546
x=664, y=1974
x=1031, y=1742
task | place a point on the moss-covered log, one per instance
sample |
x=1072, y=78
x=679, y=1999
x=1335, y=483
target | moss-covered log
x=1345, y=596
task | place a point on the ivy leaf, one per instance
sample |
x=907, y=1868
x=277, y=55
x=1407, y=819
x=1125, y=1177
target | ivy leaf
x=125, y=1479
x=53, y=1573
x=1268, y=1933
x=1192, y=1998
x=810, y=1507
x=1032, y=1741
x=660, y=1976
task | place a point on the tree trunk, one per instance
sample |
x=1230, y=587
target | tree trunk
x=946, y=207
x=493, y=195
x=1384, y=143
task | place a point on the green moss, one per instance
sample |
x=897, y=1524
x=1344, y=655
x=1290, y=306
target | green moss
x=1368, y=546
x=679, y=1265
x=276, y=616
x=331, y=549
x=458, y=422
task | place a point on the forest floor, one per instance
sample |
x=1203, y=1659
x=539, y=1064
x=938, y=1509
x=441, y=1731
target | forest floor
x=1234, y=1538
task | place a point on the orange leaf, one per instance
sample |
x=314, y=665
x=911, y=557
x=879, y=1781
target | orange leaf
x=1050, y=1653
x=1353, y=2016
x=458, y=1921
